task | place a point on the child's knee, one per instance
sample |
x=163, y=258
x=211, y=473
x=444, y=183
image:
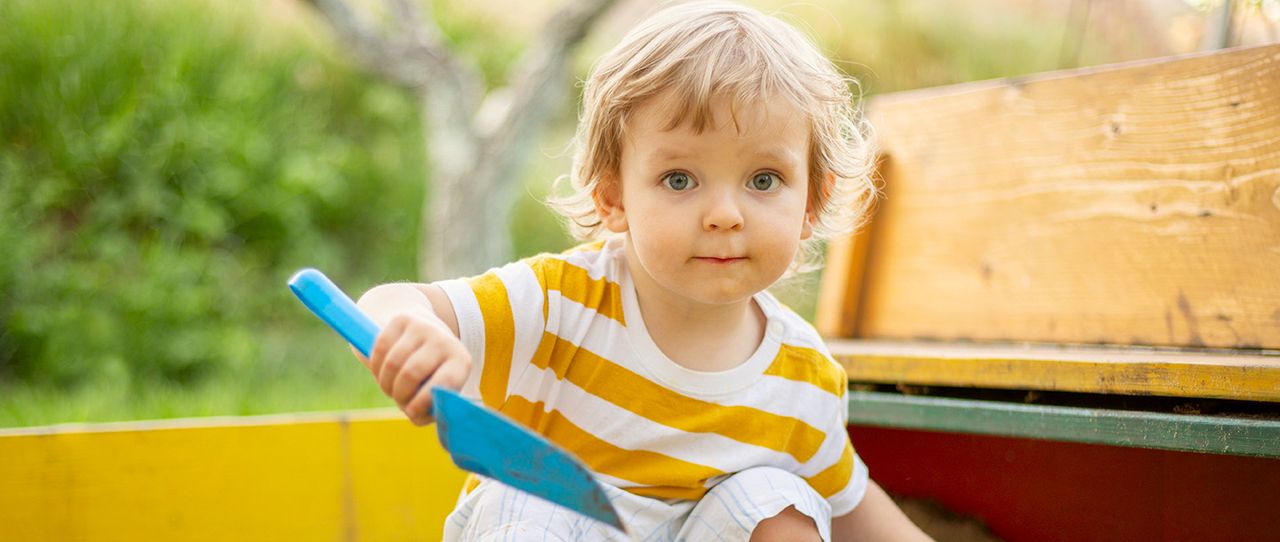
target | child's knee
x=798, y=511
x=789, y=524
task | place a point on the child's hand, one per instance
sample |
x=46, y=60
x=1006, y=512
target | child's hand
x=412, y=354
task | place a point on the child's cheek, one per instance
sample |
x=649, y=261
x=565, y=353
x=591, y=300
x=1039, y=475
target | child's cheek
x=780, y=247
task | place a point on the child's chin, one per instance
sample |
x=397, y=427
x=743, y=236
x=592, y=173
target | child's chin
x=718, y=294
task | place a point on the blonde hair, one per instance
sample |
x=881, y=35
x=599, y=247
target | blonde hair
x=703, y=51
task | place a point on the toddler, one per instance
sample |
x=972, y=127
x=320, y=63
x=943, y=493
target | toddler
x=715, y=144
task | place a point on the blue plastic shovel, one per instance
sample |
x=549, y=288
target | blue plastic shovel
x=479, y=440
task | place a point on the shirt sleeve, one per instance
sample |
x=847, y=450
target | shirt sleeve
x=855, y=487
x=842, y=478
x=500, y=322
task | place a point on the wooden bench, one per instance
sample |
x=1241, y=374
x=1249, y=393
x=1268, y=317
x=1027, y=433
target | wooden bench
x=1074, y=259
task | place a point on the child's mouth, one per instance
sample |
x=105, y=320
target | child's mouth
x=719, y=261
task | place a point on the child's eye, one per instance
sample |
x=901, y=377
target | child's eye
x=764, y=182
x=678, y=181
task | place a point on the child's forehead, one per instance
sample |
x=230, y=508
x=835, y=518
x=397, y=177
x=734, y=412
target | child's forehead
x=774, y=129
x=668, y=112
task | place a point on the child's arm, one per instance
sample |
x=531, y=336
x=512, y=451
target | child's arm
x=875, y=518
x=418, y=343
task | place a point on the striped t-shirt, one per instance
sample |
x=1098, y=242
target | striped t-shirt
x=558, y=343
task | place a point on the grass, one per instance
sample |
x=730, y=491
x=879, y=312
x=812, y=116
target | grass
x=300, y=371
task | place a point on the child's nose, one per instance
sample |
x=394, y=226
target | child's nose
x=723, y=213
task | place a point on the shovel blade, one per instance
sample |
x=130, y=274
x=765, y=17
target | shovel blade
x=487, y=443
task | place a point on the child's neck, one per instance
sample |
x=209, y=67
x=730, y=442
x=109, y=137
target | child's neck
x=698, y=336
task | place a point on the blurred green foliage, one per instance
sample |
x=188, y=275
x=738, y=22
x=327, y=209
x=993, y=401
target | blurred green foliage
x=909, y=44
x=164, y=166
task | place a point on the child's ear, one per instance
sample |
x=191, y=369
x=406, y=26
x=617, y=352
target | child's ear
x=811, y=214
x=608, y=197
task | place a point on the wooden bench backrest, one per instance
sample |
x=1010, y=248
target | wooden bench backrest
x=1135, y=204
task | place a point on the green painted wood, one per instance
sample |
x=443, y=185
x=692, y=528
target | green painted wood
x=1195, y=433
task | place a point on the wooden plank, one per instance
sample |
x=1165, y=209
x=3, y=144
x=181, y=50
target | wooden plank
x=403, y=483
x=838, y=305
x=835, y=314
x=1133, y=204
x=350, y=477
x=1129, y=371
x=1212, y=434
x=839, y=294
x=192, y=483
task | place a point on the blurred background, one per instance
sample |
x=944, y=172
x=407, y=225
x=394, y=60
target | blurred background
x=166, y=165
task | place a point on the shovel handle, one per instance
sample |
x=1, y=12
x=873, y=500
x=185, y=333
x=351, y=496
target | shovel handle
x=327, y=301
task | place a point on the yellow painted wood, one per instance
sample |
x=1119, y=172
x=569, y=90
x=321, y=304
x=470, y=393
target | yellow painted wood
x=403, y=482
x=325, y=477
x=1134, y=204
x=1130, y=371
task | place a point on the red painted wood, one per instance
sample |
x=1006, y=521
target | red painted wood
x=1029, y=490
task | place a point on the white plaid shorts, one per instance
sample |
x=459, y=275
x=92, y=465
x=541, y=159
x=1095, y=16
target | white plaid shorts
x=495, y=512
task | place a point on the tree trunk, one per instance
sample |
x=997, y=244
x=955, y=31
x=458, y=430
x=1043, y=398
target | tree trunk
x=467, y=228
x=476, y=153
x=455, y=237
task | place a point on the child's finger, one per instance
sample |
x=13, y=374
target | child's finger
x=452, y=373
x=383, y=343
x=396, y=359
x=418, y=409
x=419, y=366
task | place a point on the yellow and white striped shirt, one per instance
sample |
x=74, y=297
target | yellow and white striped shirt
x=558, y=344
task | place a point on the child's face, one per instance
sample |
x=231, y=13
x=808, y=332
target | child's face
x=718, y=216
